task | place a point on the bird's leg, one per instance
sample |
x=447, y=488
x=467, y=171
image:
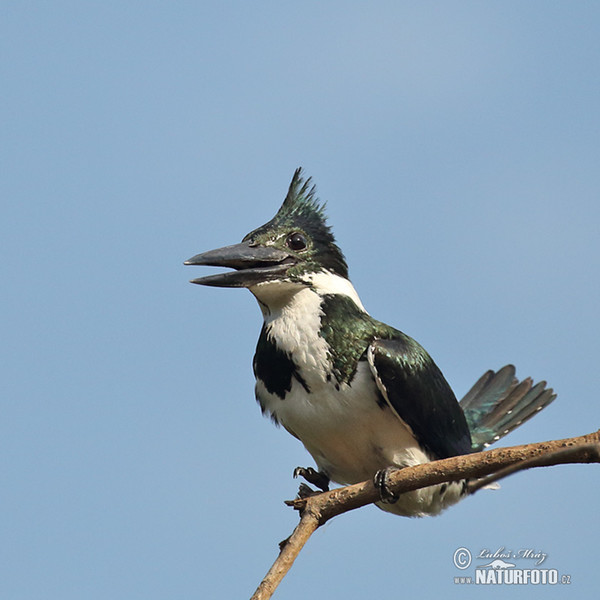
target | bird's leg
x=315, y=477
x=380, y=480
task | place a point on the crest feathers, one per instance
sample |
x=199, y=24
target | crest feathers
x=301, y=199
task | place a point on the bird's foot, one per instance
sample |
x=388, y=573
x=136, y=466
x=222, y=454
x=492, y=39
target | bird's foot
x=315, y=477
x=380, y=480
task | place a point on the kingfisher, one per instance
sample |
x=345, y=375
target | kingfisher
x=362, y=396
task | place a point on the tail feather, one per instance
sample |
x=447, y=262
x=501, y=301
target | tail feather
x=498, y=403
x=490, y=387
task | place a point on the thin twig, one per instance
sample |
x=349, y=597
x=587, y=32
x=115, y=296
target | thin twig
x=289, y=551
x=561, y=456
x=318, y=509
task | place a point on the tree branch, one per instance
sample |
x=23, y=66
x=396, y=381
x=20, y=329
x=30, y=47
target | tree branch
x=490, y=465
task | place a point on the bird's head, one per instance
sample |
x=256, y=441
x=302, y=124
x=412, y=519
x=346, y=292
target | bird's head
x=293, y=246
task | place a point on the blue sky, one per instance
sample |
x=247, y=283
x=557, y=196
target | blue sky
x=457, y=145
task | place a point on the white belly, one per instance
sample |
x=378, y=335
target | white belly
x=351, y=437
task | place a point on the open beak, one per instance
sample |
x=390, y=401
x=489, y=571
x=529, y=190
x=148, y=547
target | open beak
x=252, y=264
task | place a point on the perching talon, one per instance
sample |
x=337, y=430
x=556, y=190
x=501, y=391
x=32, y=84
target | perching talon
x=380, y=480
x=315, y=477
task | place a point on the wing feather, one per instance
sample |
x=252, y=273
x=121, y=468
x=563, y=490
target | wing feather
x=415, y=389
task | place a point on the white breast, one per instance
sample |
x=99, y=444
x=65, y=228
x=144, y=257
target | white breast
x=348, y=434
x=295, y=329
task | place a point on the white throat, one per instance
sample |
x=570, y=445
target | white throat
x=292, y=313
x=273, y=296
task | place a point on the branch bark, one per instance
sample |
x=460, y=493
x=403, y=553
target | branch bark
x=490, y=465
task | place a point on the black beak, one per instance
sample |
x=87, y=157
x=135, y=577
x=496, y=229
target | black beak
x=253, y=264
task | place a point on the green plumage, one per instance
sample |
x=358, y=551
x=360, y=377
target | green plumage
x=348, y=332
x=414, y=386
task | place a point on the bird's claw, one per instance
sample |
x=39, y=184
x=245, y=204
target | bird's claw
x=315, y=477
x=380, y=480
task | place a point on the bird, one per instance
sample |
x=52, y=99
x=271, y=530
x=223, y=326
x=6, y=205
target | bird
x=363, y=397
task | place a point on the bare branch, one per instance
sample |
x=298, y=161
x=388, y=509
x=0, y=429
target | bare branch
x=290, y=549
x=560, y=456
x=487, y=466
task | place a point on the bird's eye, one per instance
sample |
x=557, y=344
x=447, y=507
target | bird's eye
x=296, y=241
